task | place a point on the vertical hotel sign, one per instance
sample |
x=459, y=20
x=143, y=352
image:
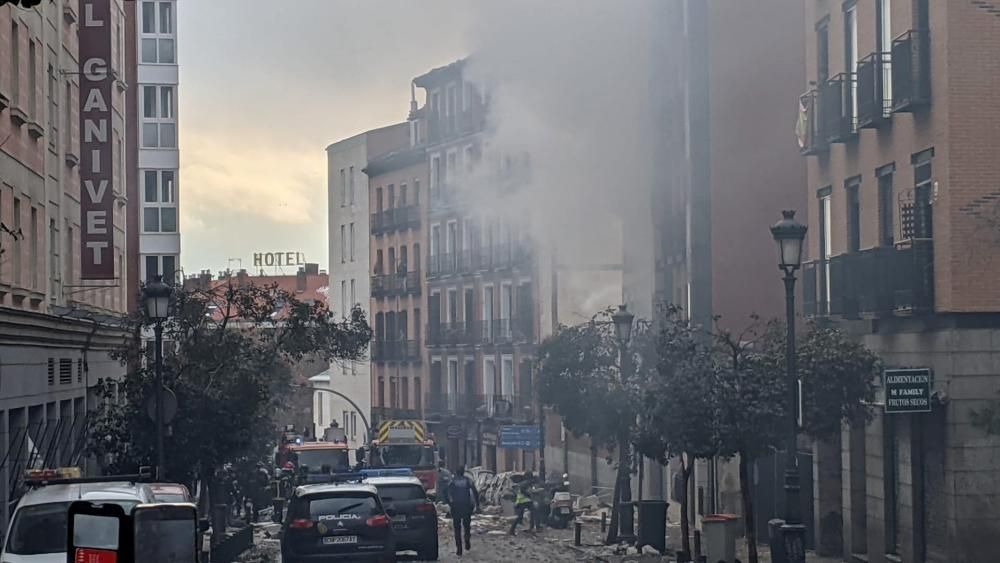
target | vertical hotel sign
x=96, y=164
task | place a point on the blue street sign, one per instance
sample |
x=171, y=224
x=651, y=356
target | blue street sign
x=522, y=436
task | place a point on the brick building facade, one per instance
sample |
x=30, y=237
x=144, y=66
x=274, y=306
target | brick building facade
x=900, y=129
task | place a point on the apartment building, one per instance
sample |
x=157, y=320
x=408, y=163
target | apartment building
x=63, y=127
x=899, y=129
x=396, y=180
x=350, y=262
x=153, y=151
x=481, y=321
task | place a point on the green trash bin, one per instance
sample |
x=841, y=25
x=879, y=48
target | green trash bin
x=653, y=524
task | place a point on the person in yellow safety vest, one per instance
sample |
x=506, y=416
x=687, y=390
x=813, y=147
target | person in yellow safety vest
x=522, y=502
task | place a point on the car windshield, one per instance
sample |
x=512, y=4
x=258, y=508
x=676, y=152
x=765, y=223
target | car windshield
x=41, y=528
x=171, y=497
x=394, y=493
x=346, y=506
x=406, y=456
x=329, y=460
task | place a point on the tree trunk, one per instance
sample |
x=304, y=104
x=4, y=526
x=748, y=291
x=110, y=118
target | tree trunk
x=616, y=496
x=748, y=516
x=685, y=508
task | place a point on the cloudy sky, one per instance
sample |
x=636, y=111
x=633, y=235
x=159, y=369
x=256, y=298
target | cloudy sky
x=265, y=88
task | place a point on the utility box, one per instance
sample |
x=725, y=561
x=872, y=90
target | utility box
x=719, y=536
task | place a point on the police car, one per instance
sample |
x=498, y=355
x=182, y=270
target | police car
x=337, y=522
x=37, y=531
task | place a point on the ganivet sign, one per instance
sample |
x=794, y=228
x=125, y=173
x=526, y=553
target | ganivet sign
x=97, y=195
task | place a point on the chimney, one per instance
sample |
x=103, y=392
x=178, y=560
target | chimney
x=204, y=279
x=300, y=279
x=312, y=269
x=242, y=278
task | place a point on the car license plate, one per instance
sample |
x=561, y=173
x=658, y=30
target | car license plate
x=335, y=540
x=564, y=511
x=399, y=518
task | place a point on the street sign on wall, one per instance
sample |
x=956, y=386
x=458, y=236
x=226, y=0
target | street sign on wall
x=907, y=390
x=520, y=436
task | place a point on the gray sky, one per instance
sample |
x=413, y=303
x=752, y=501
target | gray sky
x=265, y=88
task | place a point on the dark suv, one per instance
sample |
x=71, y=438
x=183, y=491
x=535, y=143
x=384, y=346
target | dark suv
x=337, y=523
x=414, y=518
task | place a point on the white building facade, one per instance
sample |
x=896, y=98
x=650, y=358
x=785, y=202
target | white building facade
x=348, y=216
x=157, y=134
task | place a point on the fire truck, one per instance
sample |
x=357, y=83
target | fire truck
x=405, y=444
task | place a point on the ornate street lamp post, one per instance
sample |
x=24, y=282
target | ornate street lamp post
x=156, y=299
x=790, y=234
x=623, y=331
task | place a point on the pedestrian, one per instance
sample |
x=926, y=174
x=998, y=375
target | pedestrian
x=463, y=499
x=522, y=502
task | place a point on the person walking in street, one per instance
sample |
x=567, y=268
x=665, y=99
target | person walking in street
x=522, y=502
x=463, y=499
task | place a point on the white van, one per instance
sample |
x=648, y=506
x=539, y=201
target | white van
x=37, y=532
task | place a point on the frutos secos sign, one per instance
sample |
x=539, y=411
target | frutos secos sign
x=278, y=259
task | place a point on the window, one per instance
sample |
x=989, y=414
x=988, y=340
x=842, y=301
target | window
x=823, y=50
x=435, y=174
x=343, y=297
x=343, y=244
x=884, y=16
x=853, y=187
x=15, y=63
x=435, y=240
x=32, y=78
x=343, y=187
x=352, y=242
x=68, y=255
x=53, y=97
x=157, y=32
x=851, y=52
x=921, y=224
x=351, y=182
x=886, y=205
x=159, y=126
x=451, y=167
x=489, y=378
x=507, y=375
x=825, y=247
x=165, y=266
x=416, y=192
x=68, y=115
x=159, y=213
x=354, y=300
x=18, y=280
x=53, y=258
x=35, y=235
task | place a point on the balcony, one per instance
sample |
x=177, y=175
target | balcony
x=911, y=71
x=837, y=104
x=446, y=264
x=397, y=219
x=506, y=331
x=396, y=285
x=879, y=281
x=874, y=90
x=812, y=139
x=501, y=407
x=396, y=351
x=501, y=257
x=452, y=334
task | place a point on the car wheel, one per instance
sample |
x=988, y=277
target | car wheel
x=429, y=552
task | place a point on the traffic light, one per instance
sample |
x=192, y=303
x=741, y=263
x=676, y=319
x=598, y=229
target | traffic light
x=22, y=3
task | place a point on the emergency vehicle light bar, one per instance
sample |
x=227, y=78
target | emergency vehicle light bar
x=394, y=472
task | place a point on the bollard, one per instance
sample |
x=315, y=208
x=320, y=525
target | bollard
x=604, y=522
x=577, y=531
x=697, y=545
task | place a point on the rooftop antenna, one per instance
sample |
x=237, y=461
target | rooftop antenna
x=237, y=260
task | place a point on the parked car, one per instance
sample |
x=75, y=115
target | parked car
x=414, y=519
x=337, y=522
x=171, y=492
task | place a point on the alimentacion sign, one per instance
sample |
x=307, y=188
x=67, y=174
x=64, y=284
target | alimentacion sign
x=907, y=390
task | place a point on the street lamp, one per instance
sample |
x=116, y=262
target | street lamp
x=156, y=299
x=789, y=234
x=623, y=331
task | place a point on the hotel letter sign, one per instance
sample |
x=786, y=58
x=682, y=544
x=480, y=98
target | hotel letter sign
x=97, y=195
